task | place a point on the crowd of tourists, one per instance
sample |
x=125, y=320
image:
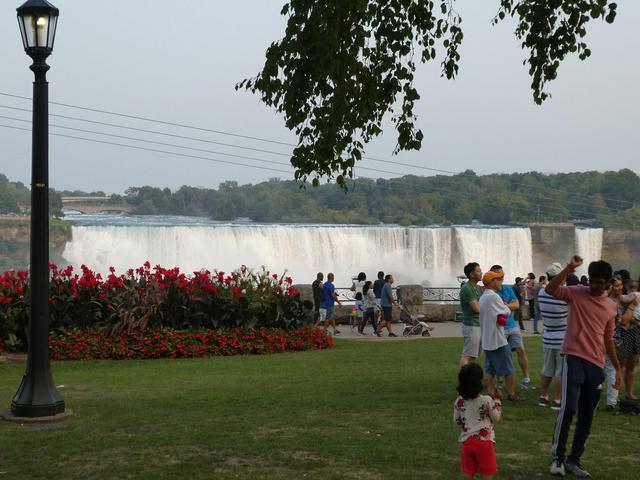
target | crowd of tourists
x=590, y=334
x=373, y=303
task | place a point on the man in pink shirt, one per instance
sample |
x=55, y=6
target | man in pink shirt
x=589, y=335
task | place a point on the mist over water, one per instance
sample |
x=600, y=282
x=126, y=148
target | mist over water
x=422, y=255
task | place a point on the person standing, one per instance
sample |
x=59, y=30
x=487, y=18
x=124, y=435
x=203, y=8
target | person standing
x=386, y=303
x=518, y=290
x=369, y=308
x=628, y=333
x=377, y=291
x=318, y=295
x=541, y=283
x=512, y=330
x=358, y=283
x=589, y=334
x=554, y=315
x=493, y=315
x=470, y=294
x=529, y=284
x=476, y=414
x=329, y=299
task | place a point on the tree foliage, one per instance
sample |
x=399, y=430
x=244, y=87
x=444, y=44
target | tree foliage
x=342, y=65
x=413, y=200
x=15, y=198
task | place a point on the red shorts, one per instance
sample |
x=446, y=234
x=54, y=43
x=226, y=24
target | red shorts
x=478, y=456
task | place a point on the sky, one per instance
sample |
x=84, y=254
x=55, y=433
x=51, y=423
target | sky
x=178, y=62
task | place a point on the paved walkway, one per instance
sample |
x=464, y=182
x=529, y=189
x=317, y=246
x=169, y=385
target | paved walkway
x=441, y=329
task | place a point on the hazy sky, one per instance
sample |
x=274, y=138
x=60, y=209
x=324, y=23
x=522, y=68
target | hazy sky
x=179, y=61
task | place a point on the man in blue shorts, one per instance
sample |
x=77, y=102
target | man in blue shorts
x=512, y=330
x=493, y=313
x=330, y=296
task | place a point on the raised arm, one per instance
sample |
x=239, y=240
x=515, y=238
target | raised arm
x=559, y=279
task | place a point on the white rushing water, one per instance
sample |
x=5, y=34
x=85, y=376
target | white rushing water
x=429, y=255
x=588, y=246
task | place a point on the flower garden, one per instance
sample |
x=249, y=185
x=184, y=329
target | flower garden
x=161, y=312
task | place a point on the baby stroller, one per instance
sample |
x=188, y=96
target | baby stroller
x=413, y=324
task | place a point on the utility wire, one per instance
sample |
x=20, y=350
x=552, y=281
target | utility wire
x=155, y=132
x=181, y=146
x=549, y=209
x=163, y=122
x=156, y=150
x=413, y=188
x=270, y=141
x=217, y=152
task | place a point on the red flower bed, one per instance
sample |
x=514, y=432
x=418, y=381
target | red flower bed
x=166, y=343
x=152, y=298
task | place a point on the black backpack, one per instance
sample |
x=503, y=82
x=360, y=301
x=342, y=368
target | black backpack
x=629, y=407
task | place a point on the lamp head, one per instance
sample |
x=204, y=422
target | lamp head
x=37, y=20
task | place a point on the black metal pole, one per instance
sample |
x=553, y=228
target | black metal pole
x=37, y=395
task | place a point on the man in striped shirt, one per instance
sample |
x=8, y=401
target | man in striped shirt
x=554, y=317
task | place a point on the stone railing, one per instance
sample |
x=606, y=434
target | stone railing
x=436, y=304
x=429, y=294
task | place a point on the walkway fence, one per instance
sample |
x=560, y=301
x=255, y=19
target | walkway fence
x=446, y=295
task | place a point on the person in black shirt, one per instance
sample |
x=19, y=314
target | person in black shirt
x=377, y=291
x=316, y=286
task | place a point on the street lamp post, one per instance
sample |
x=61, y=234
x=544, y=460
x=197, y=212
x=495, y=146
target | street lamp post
x=37, y=395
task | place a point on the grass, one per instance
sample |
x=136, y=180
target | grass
x=364, y=410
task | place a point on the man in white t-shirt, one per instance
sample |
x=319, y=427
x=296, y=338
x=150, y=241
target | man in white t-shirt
x=493, y=317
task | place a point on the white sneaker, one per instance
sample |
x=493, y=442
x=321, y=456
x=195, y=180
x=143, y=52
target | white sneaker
x=577, y=470
x=557, y=468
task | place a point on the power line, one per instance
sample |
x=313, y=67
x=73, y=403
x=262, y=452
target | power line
x=137, y=117
x=431, y=189
x=400, y=189
x=179, y=146
x=155, y=150
x=549, y=209
x=161, y=122
x=219, y=143
x=156, y=132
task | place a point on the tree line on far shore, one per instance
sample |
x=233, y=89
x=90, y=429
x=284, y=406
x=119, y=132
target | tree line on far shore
x=603, y=198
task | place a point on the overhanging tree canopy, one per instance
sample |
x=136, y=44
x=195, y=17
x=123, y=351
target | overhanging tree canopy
x=343, y=64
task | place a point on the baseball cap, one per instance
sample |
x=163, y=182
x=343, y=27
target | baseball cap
x=489, y=276
x=553, y=269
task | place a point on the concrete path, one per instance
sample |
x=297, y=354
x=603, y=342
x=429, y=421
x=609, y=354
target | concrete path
x=441, y=329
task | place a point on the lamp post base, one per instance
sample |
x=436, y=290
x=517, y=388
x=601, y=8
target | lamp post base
x=10, y=417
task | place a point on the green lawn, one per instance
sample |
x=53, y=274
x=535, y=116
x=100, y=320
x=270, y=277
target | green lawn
x=367, y=410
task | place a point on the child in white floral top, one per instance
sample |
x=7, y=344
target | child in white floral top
x=476, y=414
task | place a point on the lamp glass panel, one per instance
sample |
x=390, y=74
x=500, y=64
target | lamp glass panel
x=22, y=31
x=52, y=31
x=30, y=30
x=42, y=30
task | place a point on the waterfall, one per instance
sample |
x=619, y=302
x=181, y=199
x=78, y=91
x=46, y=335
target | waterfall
x=510, y=248
x=429, y=255
x=588, y=244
